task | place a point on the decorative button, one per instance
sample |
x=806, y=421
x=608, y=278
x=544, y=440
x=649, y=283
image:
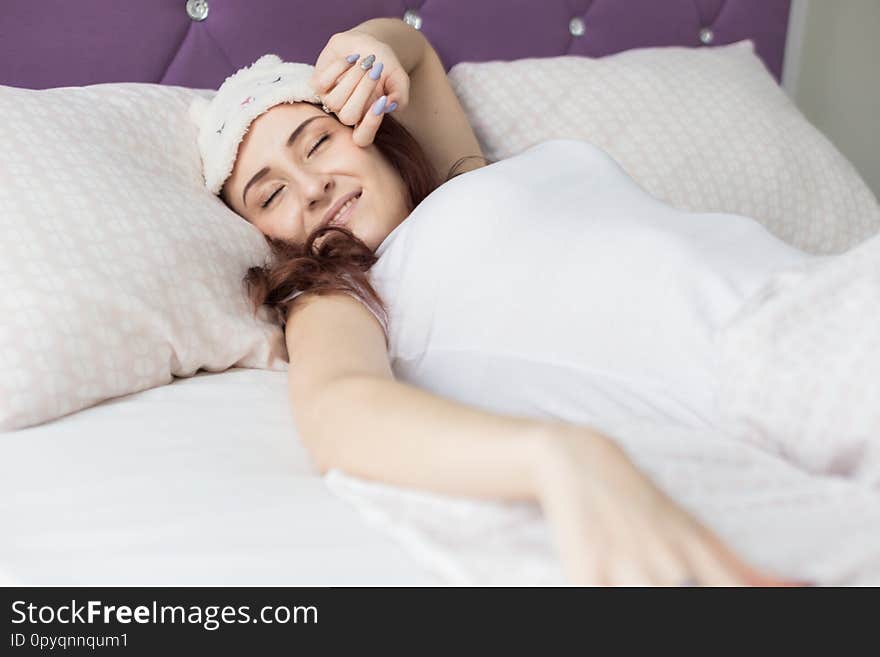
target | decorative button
x=576, y=26
x=411, y=17
x=707, y=36
x=197, y=9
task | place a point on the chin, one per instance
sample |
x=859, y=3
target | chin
x=368, y=240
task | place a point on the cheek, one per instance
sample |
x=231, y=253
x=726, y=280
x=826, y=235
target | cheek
x=277, y=227
x=267, y=225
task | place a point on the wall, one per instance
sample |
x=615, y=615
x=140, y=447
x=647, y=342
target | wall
x=832, y=72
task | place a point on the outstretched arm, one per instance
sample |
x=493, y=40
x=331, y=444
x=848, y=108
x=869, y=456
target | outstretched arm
x=612, y=525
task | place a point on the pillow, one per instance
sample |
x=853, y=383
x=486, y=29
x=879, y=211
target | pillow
x=704, y=129
x=800, y=365
x=119, y=270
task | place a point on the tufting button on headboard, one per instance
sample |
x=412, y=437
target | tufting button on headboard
x=411, y=17
x=707, y=36
x=576, y=26
x=197, y=9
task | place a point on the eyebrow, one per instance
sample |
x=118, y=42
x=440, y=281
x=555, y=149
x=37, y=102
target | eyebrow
x=290, y=140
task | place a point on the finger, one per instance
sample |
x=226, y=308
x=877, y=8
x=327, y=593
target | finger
x=749, y=575
x=669, y=567
x=357, y=103
x=365, y=131
x=377, y=92
x=584, y=569
x=754, y=577
x=397, y=87
x=711, y=566
x=629, y=571
x=327, y=76
x=339, y=94
x=390, y=105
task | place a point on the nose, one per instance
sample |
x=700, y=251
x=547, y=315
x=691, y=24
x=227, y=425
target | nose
x=318, y=195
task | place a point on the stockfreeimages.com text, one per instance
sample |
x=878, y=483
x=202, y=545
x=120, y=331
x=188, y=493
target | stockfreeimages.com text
x=211, y=617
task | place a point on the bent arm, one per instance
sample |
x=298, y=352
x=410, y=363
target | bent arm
x=434, y=116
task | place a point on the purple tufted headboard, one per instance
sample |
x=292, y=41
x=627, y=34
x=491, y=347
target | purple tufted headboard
x=197, y=43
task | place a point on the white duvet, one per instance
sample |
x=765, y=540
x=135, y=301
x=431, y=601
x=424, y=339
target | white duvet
x=809, y=389
x=551, y=285
x=777, y=517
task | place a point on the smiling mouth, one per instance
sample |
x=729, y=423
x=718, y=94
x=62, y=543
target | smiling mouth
x=343, y=216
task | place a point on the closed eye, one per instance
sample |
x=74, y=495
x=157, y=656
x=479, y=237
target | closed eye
x=269, y=200
x=323, y=137
x=318, y=143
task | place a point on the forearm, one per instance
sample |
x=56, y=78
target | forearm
x=390, y=431
x=407, y=43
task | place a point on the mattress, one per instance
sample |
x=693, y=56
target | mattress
x=202, y=481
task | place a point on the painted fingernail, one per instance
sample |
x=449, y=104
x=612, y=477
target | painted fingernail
x=367, y=62
x=376, y=71
x=351, y=59
x=379, y=105
x=391, y=107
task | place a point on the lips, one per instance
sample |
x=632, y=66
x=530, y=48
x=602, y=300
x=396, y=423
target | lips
x=328, y=217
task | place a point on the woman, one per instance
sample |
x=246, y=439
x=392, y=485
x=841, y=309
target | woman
x=380, y=133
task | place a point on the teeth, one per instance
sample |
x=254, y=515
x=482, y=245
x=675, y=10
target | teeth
x=344, y=208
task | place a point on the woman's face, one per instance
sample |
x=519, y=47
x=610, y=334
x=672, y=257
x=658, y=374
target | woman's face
x=302, y=180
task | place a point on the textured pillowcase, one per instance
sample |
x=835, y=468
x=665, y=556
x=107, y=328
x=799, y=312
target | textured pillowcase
x=800, y=365
x=119, y=269
x=704, y=129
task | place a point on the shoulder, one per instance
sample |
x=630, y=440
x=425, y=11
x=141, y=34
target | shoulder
x=336, y=322
x=330, y=337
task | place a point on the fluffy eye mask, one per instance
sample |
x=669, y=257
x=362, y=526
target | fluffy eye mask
x=224, y=120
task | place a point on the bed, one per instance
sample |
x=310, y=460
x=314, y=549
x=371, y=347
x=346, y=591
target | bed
x=203, y=480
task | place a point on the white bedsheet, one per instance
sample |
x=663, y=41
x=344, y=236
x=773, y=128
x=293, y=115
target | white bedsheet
x=198, y=482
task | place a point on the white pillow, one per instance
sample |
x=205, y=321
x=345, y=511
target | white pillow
x=705, y=129
x=119, y=269
x=800, y=365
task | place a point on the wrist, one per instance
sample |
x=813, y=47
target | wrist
x=561, y=450
x=408, y=43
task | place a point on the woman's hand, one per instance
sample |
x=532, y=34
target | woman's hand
x=356, y=95
x=613, y=526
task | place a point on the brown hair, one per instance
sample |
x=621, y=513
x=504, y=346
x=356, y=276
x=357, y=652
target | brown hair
x=341, y=262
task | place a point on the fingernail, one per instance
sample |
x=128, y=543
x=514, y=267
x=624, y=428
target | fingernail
x=391, y=107
x=379, y=105
x=376, y=71
x=351, y=59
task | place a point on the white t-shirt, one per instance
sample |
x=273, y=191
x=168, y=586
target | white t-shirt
x=551, y=285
